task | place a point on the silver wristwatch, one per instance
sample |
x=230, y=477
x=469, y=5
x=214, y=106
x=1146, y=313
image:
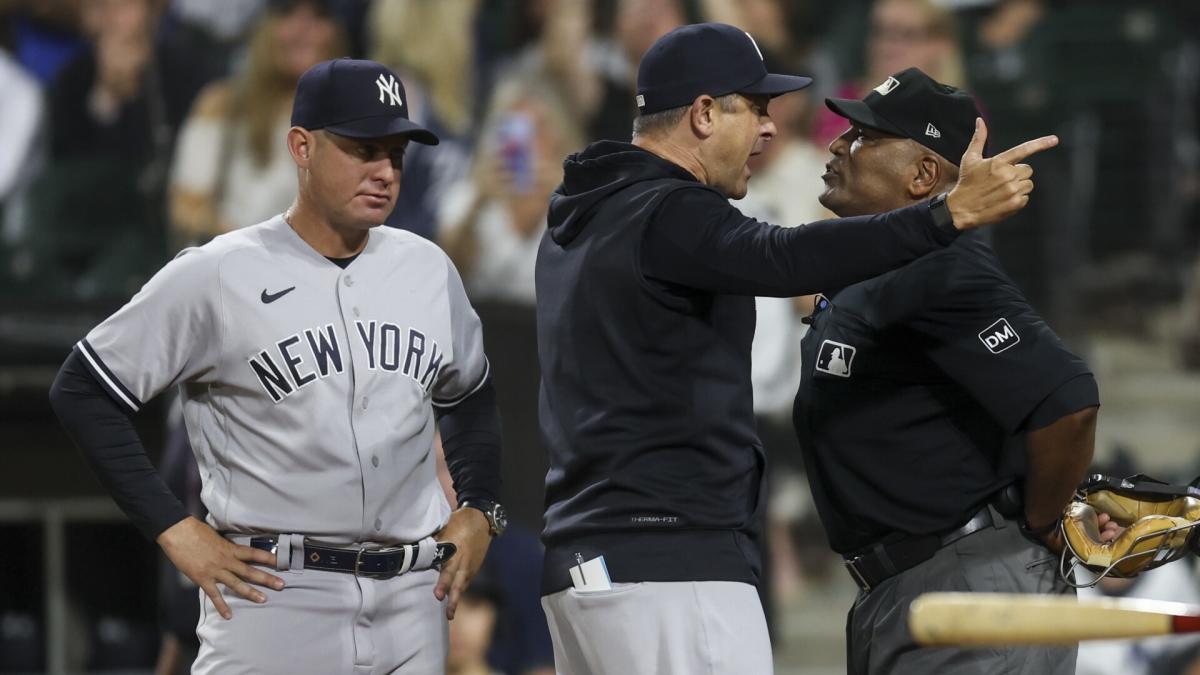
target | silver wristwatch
x=493, y=511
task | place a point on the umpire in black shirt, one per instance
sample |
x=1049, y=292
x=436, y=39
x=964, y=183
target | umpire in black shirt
x=927, y=392
x=646, y=280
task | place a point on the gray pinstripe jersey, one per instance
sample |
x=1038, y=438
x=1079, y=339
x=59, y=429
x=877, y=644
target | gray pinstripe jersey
x=308, y=390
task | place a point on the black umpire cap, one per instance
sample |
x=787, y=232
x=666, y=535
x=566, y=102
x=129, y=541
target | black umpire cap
x=913, y=105
x=358, y=99
x=705, y=58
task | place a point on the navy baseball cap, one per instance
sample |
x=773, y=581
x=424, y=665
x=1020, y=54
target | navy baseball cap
x=913, y=105
x=705, y=58
x=358, y=99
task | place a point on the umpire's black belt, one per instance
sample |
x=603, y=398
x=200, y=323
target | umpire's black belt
x=884, y=561
x=372, y=563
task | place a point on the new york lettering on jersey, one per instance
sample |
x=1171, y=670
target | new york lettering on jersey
x=389, y=348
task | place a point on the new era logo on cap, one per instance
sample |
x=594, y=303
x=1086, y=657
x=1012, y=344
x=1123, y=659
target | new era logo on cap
x=932, y=131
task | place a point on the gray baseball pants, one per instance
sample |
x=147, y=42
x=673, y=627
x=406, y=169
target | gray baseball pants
x=996, y=559
x=328, y=622
x=663, y=628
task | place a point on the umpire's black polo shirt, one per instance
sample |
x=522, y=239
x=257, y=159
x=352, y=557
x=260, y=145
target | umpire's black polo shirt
x=918, y=387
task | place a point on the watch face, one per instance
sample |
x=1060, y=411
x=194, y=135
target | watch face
x=500, y=517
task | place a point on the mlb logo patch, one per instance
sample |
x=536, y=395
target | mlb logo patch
x=835, y=358
x=999, y=336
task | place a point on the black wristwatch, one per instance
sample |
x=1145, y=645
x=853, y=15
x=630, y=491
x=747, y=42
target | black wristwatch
x=495, y=514
x=941, y=214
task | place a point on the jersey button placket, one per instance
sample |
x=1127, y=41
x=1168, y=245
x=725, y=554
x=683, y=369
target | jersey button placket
x=347, y=301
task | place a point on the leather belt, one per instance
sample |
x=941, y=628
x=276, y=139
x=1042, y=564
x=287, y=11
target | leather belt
x=884, y=561
x=372, y=563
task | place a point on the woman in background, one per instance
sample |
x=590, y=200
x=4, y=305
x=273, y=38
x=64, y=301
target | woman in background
x=492, y=221
x=901, y=34
x=229, y=165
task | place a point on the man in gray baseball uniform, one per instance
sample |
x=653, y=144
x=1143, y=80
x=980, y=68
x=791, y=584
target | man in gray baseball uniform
x=313, y=353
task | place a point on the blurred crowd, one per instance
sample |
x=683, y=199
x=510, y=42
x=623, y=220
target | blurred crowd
x=134, y=128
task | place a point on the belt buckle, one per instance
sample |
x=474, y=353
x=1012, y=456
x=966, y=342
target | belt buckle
x=358, y=561
x=852, y=567
x=375, y=575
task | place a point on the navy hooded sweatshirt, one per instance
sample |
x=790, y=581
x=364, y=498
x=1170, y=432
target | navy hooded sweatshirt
x=645, y=309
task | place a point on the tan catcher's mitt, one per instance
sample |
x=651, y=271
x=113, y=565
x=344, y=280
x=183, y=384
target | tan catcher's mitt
x=1159, y=520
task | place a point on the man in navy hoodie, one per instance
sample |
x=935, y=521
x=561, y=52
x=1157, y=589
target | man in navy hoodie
x=646, y=280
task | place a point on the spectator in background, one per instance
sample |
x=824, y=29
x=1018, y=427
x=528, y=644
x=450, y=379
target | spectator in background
x=95, y=215
x=20, y=119
x=214, y=30
x=21, y=155
x=126, y=95
x=230, y=167
x=902, y=34
x=593, y=76
x=43, y=35
x=639, y=23
x=493, y=221
x=427, y=42
x=473, y=627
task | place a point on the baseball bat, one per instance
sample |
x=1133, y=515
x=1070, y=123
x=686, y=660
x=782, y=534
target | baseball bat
x=993, y=619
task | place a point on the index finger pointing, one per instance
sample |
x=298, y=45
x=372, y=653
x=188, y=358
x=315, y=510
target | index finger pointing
x=1020, y=152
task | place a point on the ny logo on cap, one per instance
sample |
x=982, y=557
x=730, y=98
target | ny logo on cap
x=887, y=86
x=391, y=87
x=932, y=131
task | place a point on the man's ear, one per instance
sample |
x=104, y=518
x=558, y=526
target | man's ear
x=927, y=177
x=301, y=143
x=701, y=115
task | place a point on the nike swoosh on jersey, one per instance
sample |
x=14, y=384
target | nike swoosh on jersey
x=268, y=298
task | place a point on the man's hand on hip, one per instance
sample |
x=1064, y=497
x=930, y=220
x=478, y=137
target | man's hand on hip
x=469, y=530
x=990, y=190
x=207, y=559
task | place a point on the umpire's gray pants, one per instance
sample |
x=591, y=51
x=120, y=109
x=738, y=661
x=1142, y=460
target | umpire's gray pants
x=664, y=628
x=995, y=559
